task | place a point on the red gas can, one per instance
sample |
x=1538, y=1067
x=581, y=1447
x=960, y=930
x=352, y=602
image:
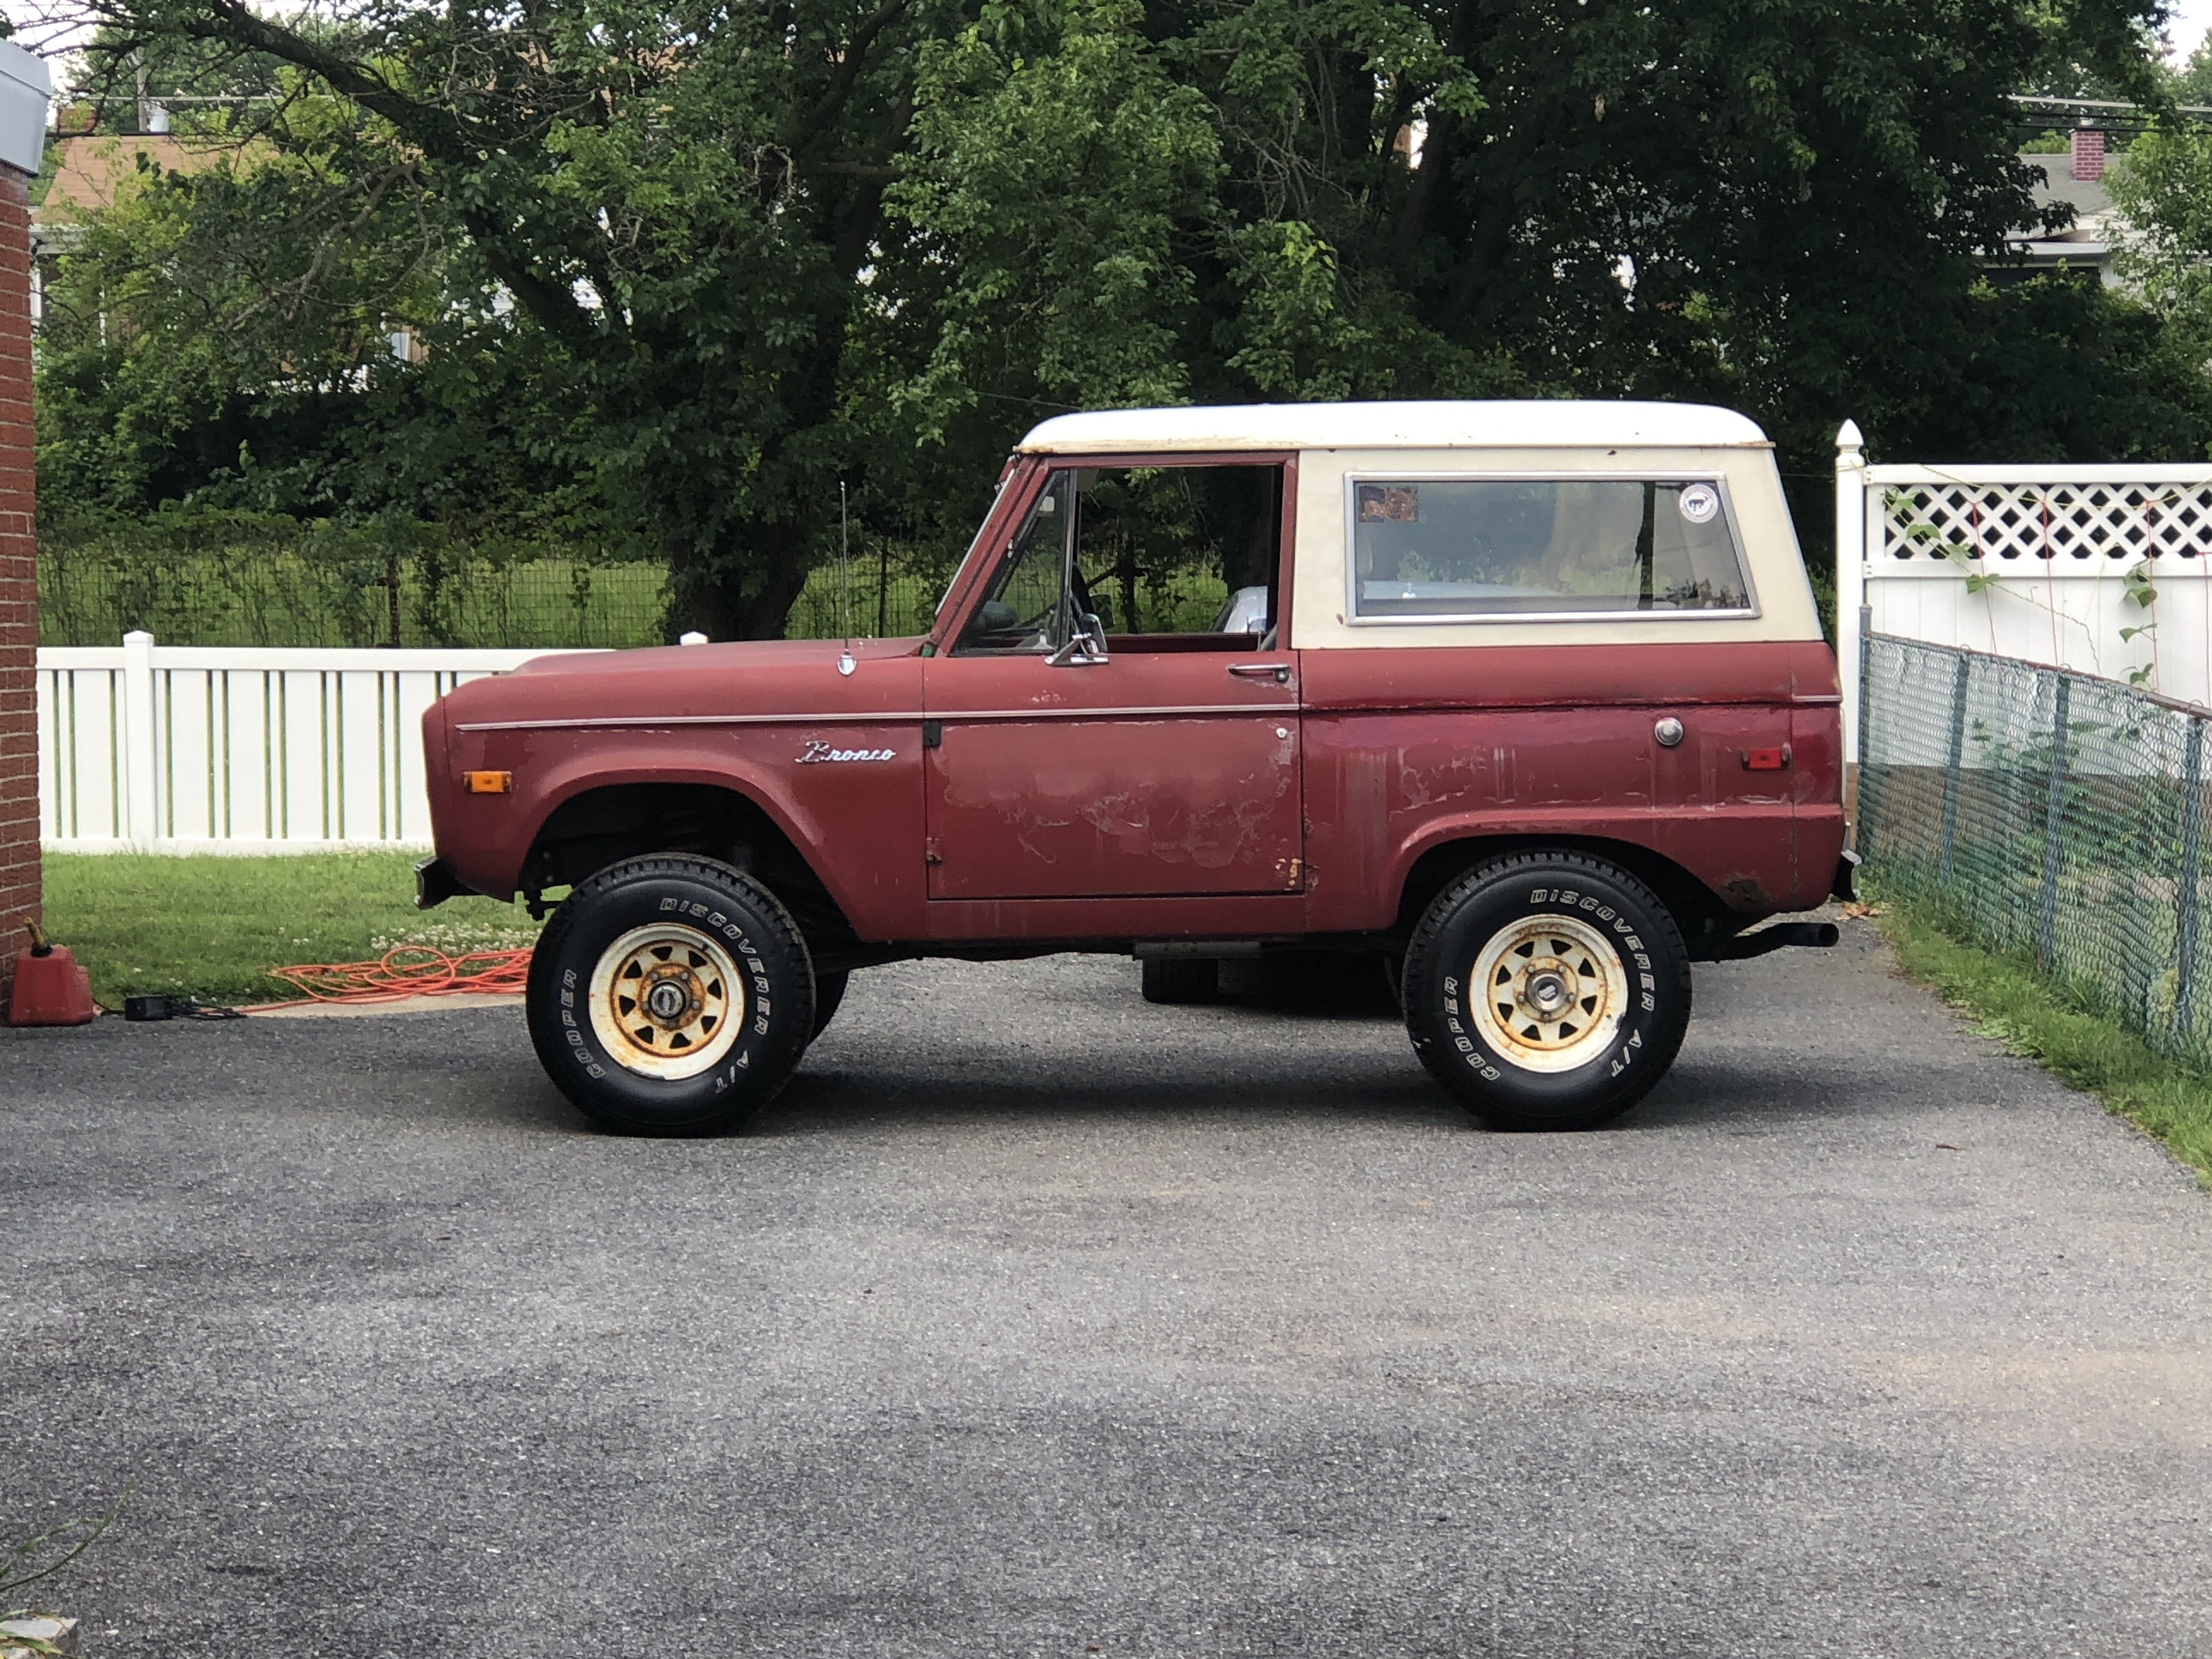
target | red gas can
x=51, y=989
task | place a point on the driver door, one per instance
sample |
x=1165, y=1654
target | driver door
x=1068, y=757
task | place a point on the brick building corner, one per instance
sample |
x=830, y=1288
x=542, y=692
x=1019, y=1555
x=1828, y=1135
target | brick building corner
x=24, y=92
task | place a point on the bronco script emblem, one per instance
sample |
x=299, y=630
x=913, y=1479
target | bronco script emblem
x=815, y=753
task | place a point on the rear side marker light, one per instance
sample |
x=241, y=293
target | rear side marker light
x=1765, y=760
x=487, y=783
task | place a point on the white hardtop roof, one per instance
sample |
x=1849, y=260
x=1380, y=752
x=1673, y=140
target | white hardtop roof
x=1537, y=424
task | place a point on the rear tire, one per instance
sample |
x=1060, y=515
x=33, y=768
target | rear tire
x=1547, y=991
x=671, y=995
x=1180, y=981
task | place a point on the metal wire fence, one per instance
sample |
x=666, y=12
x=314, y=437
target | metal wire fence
x=242, y=580
x=2046, y=814
x=883, y=599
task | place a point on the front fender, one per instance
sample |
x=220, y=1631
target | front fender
x=857, y=826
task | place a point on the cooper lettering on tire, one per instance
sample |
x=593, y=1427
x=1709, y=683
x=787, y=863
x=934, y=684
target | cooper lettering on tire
x=1547, y=990
x=671, y=995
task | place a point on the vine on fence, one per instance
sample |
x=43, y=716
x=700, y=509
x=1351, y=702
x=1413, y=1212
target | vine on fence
x=2139, y=586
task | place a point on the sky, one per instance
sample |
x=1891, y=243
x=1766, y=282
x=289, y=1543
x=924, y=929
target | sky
x=2191, y=19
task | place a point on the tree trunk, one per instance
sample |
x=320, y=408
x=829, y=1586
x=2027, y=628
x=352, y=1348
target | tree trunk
x=744, y=590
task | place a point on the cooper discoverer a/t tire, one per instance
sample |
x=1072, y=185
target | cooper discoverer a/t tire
x=671, y=995
x=1547, y=991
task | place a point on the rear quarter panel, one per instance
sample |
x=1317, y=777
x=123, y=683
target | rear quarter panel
x=1408, y=750
x=1419, y=734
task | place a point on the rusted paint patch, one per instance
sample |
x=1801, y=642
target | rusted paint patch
x=1744, y=893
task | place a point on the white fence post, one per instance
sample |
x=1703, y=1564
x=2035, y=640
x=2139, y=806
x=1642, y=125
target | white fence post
x=141, y=768
x=1850, y=576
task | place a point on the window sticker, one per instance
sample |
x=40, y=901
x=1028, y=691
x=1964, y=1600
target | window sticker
x=1389, y=503
x=1700, y=502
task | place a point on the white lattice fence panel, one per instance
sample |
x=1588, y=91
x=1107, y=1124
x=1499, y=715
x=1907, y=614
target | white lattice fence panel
x=2051, y=565
x=2049, y=521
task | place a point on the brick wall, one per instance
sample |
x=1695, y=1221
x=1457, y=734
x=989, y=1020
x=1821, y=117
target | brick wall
x=19, y=590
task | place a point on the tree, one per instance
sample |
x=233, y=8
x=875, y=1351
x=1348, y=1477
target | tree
x=2162, y=191
x=664, y=212
x=748, y=252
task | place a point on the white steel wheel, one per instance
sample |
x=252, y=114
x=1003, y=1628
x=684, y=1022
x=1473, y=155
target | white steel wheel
x=667, y=1001
x=1547, y=993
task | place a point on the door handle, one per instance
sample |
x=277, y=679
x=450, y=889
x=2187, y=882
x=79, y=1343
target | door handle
x=1278, y=672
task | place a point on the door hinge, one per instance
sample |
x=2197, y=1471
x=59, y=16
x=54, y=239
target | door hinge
x=932, y=851
x=932, y=735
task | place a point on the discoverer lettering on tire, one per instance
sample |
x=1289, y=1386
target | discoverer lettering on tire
x=671, y=995
x=1546, y=990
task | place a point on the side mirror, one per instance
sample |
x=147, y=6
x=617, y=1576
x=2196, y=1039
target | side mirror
x=1084, y=648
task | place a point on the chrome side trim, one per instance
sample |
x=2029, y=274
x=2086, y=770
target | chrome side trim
x=603, y=722
x=1273, y=710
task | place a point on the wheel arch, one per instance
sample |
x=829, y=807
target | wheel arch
x=1698, y=911
x=606, y=823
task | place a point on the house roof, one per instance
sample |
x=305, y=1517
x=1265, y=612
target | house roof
x=2091, y=202
x=89, y=168
x=1533, y=425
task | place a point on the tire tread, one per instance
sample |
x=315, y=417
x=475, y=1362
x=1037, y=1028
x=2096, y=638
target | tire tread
x=1444, y=1066
x=764, y=1084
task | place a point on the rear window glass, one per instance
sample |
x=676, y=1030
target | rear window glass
x=1512, y=547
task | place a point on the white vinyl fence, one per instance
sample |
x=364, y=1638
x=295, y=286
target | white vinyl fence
x=186, y=748
x=2106, y=570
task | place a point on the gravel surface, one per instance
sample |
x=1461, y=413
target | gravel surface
x=1038, y=1320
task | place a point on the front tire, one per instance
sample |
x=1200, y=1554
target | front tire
x=671, y=995
x=1547, y=991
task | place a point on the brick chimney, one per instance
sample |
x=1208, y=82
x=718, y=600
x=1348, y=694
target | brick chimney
x=2088, y=155
x=23, y=89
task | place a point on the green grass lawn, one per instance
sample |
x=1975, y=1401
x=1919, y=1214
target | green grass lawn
x=214, y=926
x=2009, y=1000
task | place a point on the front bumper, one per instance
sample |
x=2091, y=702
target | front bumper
x=435, y=885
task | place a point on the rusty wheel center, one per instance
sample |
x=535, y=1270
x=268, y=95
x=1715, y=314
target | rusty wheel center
x=671, y=995
x=666, y=1000
x=1548, y=993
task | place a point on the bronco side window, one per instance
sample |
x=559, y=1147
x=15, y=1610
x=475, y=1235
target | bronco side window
x=1166, y=557
x=1476, y=548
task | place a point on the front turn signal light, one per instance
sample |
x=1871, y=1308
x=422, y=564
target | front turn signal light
x=487, y=783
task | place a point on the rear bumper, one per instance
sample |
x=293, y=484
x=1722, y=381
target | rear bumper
x=1845, y=884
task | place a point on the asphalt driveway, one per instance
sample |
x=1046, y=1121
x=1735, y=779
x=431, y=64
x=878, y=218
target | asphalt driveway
x=1038, y=1320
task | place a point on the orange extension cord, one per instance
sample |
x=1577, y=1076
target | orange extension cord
x=411, y=971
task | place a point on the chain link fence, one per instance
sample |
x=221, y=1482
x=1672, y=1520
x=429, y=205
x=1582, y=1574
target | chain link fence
x=2046, y=814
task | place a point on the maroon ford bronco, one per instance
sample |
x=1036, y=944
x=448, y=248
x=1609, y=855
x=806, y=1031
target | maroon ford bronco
x=1529, y=701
